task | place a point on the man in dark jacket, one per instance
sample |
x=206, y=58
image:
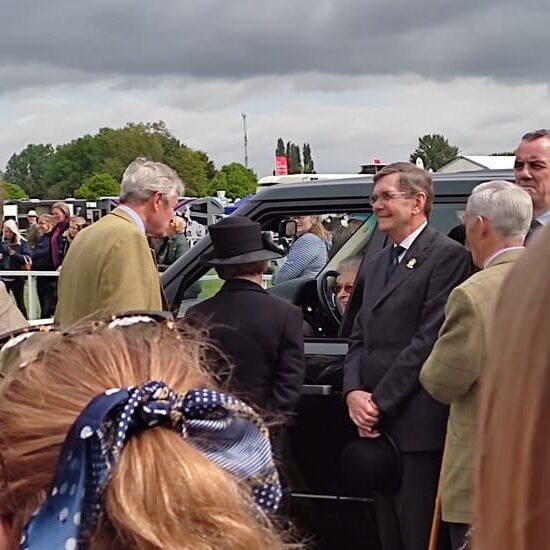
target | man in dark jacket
x=406, y=286
x=262, y=335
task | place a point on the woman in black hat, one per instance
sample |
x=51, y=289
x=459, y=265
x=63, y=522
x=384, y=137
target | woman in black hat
x=261, y=335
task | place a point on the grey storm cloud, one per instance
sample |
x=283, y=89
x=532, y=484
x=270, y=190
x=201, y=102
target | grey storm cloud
x=243, y=39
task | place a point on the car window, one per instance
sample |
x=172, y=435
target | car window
x=446, y=216
x=341, y=226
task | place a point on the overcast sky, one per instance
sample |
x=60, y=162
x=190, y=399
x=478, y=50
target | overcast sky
x=357, y=79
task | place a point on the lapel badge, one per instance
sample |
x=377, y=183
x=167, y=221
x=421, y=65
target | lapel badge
x=411, y=263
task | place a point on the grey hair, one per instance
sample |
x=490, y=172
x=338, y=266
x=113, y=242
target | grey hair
x=536, y=134
x=507, y=206
x=143, y=178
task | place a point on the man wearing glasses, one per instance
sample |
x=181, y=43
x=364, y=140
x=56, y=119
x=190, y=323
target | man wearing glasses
x=406, y=286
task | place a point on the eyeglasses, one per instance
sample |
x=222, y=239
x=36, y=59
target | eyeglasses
x=386, y=196
x=346, y=288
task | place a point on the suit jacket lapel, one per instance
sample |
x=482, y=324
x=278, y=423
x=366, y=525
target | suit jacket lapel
x=412, y=260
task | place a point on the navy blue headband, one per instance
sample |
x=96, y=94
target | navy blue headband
x=222, y=427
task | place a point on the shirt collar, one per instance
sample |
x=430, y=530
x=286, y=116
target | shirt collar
x=407, y=242
x=136, y=218
x=544, y=218
x=498, y=253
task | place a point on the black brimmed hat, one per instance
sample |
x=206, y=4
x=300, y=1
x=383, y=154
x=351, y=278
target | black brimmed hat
x=239, y=240
x=371, y=464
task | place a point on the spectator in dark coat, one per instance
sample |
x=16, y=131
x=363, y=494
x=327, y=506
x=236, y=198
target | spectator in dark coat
x=61, y=214
x=15, y=256
x=46, y=287
x=261, y=334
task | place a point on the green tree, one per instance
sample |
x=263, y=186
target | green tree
x=193, y=170
x=13, y=191
x=27, y=168
x=72, y=163
x=235, y=179
x=210, y=166
x=123, y=145
x=109, y=151
x=294, y=158
x=280, y=149
x=435, y=151
x=98, y=185
x=309, y=167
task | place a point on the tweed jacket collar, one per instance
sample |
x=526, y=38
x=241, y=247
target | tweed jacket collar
x=504, y=257
x=122, y=213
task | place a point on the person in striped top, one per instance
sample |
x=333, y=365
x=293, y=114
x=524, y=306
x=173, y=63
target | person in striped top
x=309, y=252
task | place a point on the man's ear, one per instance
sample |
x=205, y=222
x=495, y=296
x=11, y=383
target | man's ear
x=156, y=199
x=484, y=225
x=419, y=202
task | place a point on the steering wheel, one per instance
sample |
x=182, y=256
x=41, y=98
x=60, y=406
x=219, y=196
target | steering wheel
x=326, y=285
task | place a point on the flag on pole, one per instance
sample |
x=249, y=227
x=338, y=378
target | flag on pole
x=281, y=165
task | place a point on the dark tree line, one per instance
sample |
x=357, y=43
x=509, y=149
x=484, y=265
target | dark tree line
x=298, y=163
x=92, y=165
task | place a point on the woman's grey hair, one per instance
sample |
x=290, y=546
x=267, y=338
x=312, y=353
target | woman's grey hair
x=143, y=178
x=507, y=206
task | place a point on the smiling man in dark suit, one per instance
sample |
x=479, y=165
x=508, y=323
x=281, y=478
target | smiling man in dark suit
x=406, y=287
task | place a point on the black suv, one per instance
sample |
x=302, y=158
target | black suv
x=331, y=512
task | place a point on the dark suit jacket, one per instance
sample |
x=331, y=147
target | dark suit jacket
x=395, y=331
x=263, y=336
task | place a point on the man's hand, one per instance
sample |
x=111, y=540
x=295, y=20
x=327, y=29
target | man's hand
x=371, y=433
x=364, y=413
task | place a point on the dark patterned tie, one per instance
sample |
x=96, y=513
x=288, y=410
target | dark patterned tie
x=396, y=251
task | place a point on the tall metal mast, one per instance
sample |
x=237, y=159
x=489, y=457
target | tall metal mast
x=245, y=140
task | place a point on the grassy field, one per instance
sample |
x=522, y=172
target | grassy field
x=209, y=288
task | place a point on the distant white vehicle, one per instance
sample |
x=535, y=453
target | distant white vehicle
x=267, y=181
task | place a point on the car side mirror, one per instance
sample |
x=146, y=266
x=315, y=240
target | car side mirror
x=287, y=229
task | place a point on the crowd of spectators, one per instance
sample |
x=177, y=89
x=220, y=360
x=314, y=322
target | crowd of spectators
x=115, y=430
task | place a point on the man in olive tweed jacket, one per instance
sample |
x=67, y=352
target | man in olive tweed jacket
x=497, y=220
x=109, y=267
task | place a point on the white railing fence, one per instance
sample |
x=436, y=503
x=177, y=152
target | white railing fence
x=33, y=309
x=31, y=276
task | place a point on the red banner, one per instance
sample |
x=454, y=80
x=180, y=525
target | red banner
x=281, y=166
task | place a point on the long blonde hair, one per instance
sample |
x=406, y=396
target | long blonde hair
x=164, y=494
x=512, y=497
x=12, y=226
x=317, y=227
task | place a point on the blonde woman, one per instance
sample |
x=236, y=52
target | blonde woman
x=174, y=245
x=16, y=255
x=309, y=252
x=512, y=502
x=113, y=436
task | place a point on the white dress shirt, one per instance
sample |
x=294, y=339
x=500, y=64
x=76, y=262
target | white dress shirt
x=136, y=218
x=408, y=241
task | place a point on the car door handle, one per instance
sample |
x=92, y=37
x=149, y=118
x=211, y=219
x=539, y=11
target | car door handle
x=316, y=389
